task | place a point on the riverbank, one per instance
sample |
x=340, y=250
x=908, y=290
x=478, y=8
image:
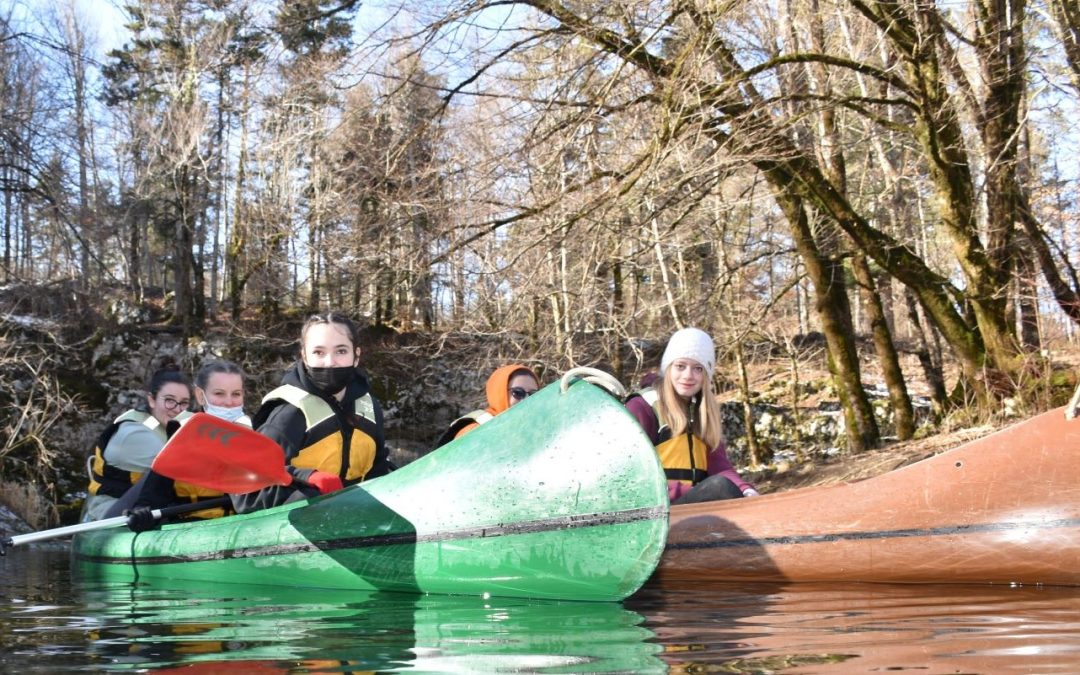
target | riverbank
x=67, y=378
x=829, y=470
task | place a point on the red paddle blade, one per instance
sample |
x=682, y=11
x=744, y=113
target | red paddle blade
x=212, y=453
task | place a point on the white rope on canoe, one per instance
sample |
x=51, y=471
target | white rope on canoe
x=593, y=376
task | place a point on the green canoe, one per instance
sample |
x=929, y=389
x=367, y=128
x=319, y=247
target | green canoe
x=560, y=497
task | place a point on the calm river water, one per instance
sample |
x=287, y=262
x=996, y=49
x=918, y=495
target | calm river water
x=52, y=621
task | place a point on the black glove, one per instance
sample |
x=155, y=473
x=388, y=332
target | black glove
x=141, y=519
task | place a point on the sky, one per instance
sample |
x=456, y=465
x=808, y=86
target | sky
x=109, y=20
x=105, y=16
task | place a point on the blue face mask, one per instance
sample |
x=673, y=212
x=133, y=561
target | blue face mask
x=225, y=413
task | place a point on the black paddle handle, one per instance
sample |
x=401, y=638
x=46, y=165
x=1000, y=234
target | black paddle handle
x=181, y=509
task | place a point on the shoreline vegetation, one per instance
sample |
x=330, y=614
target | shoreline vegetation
x=871, y=207
x=426, y=380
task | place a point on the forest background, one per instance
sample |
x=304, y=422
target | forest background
x=889, y=186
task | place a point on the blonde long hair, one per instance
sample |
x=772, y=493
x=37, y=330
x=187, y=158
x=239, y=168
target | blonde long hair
x=675, y=412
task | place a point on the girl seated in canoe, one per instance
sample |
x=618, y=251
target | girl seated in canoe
x=219, y=391
x=324, y=417
x=127, y=447
x=506, y=387
x=682, y=418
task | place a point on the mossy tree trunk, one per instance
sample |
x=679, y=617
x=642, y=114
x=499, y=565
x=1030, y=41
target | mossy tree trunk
x=931, y=367
x=900, y=400
x=834, y=313
x=758, y=454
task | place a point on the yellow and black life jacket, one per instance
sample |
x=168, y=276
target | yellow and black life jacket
x=106, y=479
x=475, y=417
x=685, y=457
x=325, y=438
x=193, y=493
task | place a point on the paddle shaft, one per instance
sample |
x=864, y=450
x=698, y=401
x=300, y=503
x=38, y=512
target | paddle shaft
x=107, y=523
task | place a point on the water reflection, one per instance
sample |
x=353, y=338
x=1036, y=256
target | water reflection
x=284, y=629
x=53, y=622
x=864, y=627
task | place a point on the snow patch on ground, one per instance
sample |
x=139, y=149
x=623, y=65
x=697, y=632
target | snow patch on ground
x=34, y=322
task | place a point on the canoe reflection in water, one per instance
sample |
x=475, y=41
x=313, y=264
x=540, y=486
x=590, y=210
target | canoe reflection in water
x=231, y=628
x=863, y=628
x=53, y=621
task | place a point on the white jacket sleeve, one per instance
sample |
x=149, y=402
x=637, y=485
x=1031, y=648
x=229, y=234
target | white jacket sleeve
x=133, y=447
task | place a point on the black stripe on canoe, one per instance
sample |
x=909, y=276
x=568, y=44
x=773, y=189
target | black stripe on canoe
x=401, y=538
x=942, y=531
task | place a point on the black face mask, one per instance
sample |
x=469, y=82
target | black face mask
x=330, y=380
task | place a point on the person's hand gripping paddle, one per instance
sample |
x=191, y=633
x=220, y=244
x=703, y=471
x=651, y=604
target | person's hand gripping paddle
x=205, y=451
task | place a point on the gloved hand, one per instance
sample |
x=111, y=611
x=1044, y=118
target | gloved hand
x=750, y=492
x=141, y=519
x=324, y=482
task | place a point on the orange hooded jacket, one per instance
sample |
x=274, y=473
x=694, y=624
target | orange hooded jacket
x=498, y=391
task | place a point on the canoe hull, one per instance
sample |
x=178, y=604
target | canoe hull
x=1001, y=509
x=519, y=507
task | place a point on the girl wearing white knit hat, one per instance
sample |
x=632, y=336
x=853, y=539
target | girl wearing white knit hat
x=682, y=418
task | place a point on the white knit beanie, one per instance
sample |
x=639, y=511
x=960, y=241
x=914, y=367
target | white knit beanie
x=690, y=343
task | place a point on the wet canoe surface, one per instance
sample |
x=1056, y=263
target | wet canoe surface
x=560, y=497
x=1001, y=509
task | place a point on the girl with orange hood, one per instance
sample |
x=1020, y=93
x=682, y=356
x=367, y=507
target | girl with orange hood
x=506, y=386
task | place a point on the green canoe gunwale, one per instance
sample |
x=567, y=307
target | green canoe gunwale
x=395, y=539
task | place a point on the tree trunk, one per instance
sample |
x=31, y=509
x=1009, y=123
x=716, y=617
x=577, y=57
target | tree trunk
x=932, y=371
x=903, y=414
x=834, y=313
x=793, y=384
x=617, y=310
x=1027, y=297
x=76, y=51
x=758, y=454
x=661, y=262
x=5, y=175
x=237, y=277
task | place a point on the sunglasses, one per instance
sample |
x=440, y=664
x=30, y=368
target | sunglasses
x=520, y=394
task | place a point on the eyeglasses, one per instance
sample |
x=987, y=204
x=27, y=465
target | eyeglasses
x=520, y=394
x=171, y=403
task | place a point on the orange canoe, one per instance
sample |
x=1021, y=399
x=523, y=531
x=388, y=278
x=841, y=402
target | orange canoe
x=1001, y=509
